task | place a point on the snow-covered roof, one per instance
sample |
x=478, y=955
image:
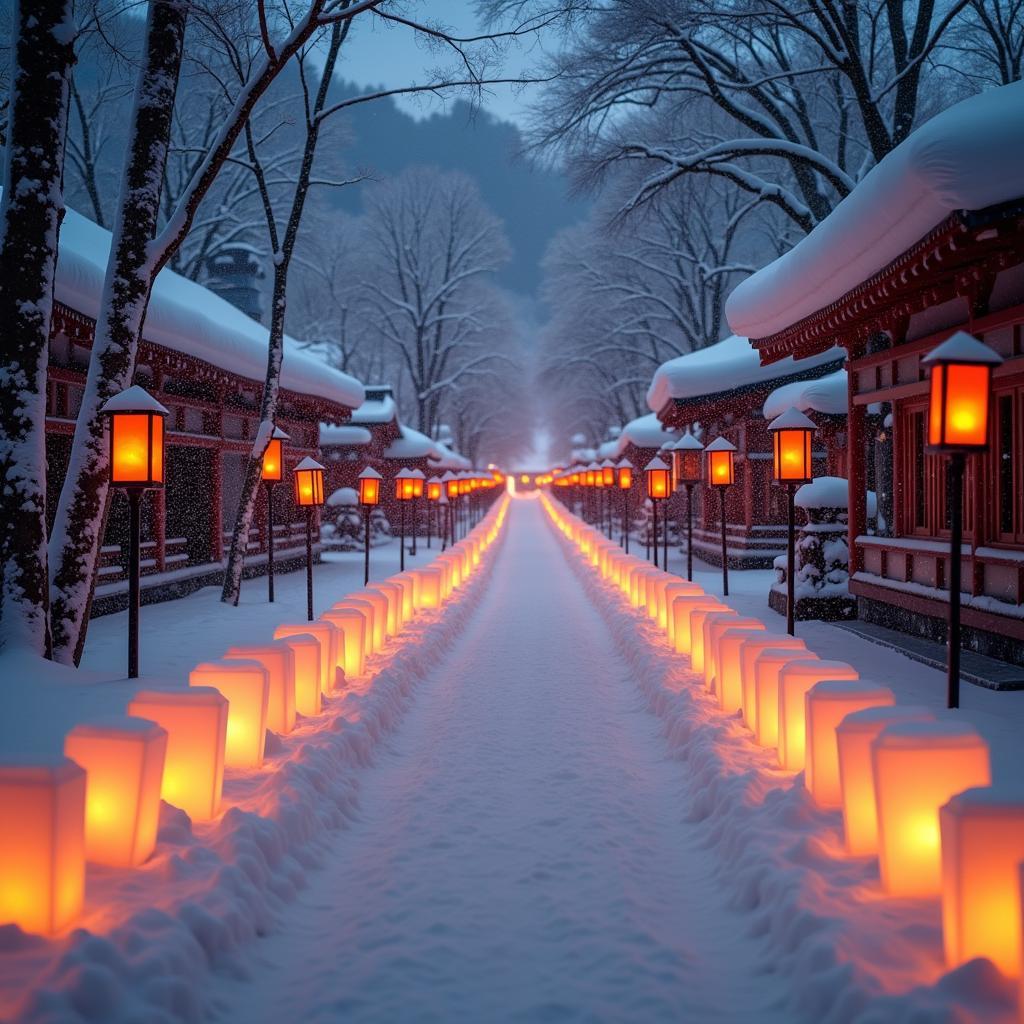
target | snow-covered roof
x=966, y=158
x=826, y=395
x=411, y=444
x=446, y=458
x=609, y=449
x=188, y=318
x=644, y=432
x=346, y=434
x=378, y=406
x=731, y=363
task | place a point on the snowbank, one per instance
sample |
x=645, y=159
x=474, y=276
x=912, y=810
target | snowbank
x=826, y=395
x=965, y=158
x=732, y=363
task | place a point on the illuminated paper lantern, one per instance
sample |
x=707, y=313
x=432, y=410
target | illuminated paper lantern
x=196, y=722
x=917, y=767
x=854, y=736
x=791, y=434
x=382, y=616
x=681, y=621
x=982, y=848
x=330, y=640
x=42, y=843
x=123, y=759
x=246, y=686
x=703, y=648
x=351, y=623
x=714, y=631
x=279, y=661
x=392, y=592
x=305, y=650
x=826, y=705
x=728, y=665
x=960, y=387
x=272, y=470
x=136, y=438
x=408, y=594
x=430, y=587
x=767, y=671
x=374, y=633
x=751, y=648
x=669, y=593
x=308, y=479
x=795, y=679
x=698, y=619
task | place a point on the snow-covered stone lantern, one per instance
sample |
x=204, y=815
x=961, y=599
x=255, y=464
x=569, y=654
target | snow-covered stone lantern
x=309, y=494
x=271, y=473
x=960, y=390
x=721, y=456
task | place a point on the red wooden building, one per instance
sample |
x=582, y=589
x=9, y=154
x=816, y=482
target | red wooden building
x=943, y=252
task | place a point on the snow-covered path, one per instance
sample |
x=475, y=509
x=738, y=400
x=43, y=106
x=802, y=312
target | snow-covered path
x=521, y=851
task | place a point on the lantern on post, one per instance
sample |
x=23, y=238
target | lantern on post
x=434, y=489
x=271, y=472
x=450, y=482
x=657, y=475
x=369, y=496
x=722, y=474
x=419, y=479
x=136, y=465
x=405, y=488
x=687, y=456
x=791, y=467
x=960, y=391
x=608, y=482
x=309, y=494
x=624, y=472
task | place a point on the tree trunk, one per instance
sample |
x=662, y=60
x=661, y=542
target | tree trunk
x=30, y=216
x=81, y=515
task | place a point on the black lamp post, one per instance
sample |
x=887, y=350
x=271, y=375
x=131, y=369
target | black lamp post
x=607, y=483
x=271, y=472
x=309, y=494
x=434, y=491
x=657, y=473
x=136, y=465
x=960, y=392
x=721, y=457
x=404, y=489
x=419, y=480
x=624, y=473
x=687, y=456
x=451, y=493
x=369, y=496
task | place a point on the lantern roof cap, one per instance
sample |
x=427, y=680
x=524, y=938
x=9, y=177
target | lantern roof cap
x=688, y=443
x=133, y=399
x=593, y=465
x=435, y=479
x=112, y=725
x=405, y=473
x=656, y=463
x=280, y=435
x=369, y=473
x=720, y=444
x=624, y=464
x=866, y=719
x=309, y=463
x=941, y=733
x=449, y=476
x=963, y=348
x=607, y=464
x=417, y=474
x=792, y=419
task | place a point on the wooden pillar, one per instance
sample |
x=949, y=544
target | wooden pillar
x=855, y=455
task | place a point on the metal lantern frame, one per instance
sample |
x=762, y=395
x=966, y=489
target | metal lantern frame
x=688, y=466
x=658, y=486
x=722, y=453
x=309, y=472
x=369, y=497
x=272, y=473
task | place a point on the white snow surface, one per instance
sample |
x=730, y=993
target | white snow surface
x=965, y=158
x=343, y=434
x=827, y=395
x=376, y=410
x=644, y=432
x=731, y=363
x=186, y=317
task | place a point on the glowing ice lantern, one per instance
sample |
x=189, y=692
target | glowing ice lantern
x=767, y=671
x=196, y=722
x=305, y=650
x=795, y=680
x=827, y=704
x=404, y=583
x=392, y=593
x=728, y=665
x=702, y=653
x=375, y=619
x=682, y=608
x=351, y=622
x=42, y=844
x=279, y=661
x=430, y=587
x=246, y=686
x=330, y=649
x=714, y=631
x=752, y=646
x=123, y=758
x=917, y=767
x=672, y=590
x=982, y=848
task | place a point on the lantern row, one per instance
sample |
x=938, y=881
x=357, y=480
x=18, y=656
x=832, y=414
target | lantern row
x=100, y=802
x=914, y=791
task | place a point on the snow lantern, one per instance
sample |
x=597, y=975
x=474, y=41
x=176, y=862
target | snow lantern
x=42, y=844
x=376, y=614
x=658, y=485
x=713, y=632
x=699, y=625
x=673, y=590
x=753, y=646
x=136, y=439
x=917, y=767
x=795, y=679
x=328, y=639
x=246, y=686
x=721, y=455
x=123, y=758
x=305, y=650
x=682, y=607
x=729, y=665
x=382, y=620
x=351, y=624
x=369, y=487
x=272, y=469
x=791, y=447
x=196, y=722
x=960, y=373
x=767, y=676
x=827, y=704
x=279, y=661
x=982, y=834
x=309, y=483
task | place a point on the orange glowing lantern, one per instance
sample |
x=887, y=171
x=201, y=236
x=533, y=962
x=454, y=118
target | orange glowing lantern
x=369, y=487
x=681, y=622
x=729, y=665
x=123, y=759
x=279, y=661
x=791, y=447
x=960, y=390
x=687, y=456
x=42, y=844
x=625, y=472
x=714, y=630
x=658, y=482
x=246, y=687
x=982, y=847
x=854, y=736
x=392, y=593
x=431, y=586
x=917, y=767
x=375, y=616
x=434, y=488
x=196, y=722
x=699, y=619
x=408, y=588
x=329, y=640
x=351, y=624
x=826, y=705
x=381, y=618
x=673, y=590
x=768, y=669
x=721, y=463
x=451, y=483
x=305, y=650
x=405, y=485
x=795, y=679
x=750, y=650
x=136, y=439
x=418, y=480
x=309, y=483
x=272, y=470
x=608, y=473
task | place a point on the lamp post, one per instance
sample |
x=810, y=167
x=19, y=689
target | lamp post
x=136, y=465
x=658, y=486
x=369, y=496
x=722, y=474
x=404, y=488
x=309, y=494
x=608, y=481
x=418, y=481
x=687, y=455
x=624, y=471
x=791, y=466
x=271, y=473
x=451, y=491
x=960, y=391
x=434, y=489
